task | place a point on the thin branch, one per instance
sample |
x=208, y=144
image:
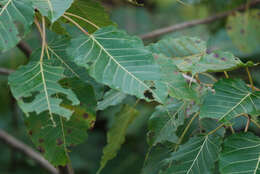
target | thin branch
x=25, y=48
x=20, y=146
x=193, y=23
x=5, y=71
x=76, y=24
x=83, y=19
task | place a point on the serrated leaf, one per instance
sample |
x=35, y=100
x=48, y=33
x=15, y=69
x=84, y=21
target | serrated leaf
x=164, y=122
x=232, y=97
x=35, y=85
x=243, y=30
x=111, y=98
x=198, y=155
x=117, y=60
x=13, y=12
x=55, y=142
x=190, y=55
x=171, y=77
x=52, y=9
x=57, y=45
x=92, y=11
x=241, y=154
x=116, y=135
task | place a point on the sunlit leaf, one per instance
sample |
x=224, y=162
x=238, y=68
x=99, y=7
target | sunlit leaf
x=35, y=86
x=117, y=60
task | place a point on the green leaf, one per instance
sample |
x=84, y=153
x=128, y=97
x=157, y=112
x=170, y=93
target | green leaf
x=92, y=11
x=117, y=60
x=190, y=55
x=231, y=98
x=111, y=98
x=116, y=135
x=198, y=155
x=154, y=158
x=241, y=154
x=176, y=84
x=55, y=142
x=164, y=122
x=14, y=12
x=35, y=87
x=52, y=9
x=243, y=30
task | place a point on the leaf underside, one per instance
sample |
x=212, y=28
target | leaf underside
x=117, y=60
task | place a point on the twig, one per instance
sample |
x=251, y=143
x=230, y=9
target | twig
x=193, y=23
x=25, y=48
x=4, y=71
x=215, y=130
x=20, y=146
x=76, y=24
x=226, y=75
x=186, y=130
x=247, y=123
x=250, y=79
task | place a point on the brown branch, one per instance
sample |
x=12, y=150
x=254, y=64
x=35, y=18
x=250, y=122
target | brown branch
x=5, y=71
x=25, y=48
x=20, y=146
x=193, y=23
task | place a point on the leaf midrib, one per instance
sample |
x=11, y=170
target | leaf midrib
x=124, y=69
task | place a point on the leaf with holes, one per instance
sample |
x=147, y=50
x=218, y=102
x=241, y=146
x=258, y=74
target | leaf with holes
x=241, y=154
x=231, y=98
x=36, y=87
x=116, y=135
x=243, y=30
x=117, y=60
x=190, y=55
x=164, y=122
x=198, y=155
x=12, y=14
x=90, y=15
x=53, y=9
x=55, y=142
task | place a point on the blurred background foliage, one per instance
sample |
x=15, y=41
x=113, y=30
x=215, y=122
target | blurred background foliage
x=136, y=20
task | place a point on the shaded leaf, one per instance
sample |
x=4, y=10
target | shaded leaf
x=111, y=98
x=55, y=142
x=232, y=98
x=117, y=60
x=198, y=155
x=13, y=12
x=92, y=11
x=243, y=29
x=164, y=122
x=116, y=135
x=154, y=159
x=241, y=154
x=52, y=9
